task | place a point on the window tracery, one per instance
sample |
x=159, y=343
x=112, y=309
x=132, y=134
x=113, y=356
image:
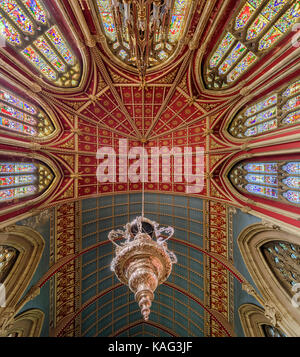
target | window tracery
x=278, y=181
x=276, y=111
x=271, y=331
x=251, y=34
x=283, y=259
x=21, y=179
x=16, y=115
x=27, y=26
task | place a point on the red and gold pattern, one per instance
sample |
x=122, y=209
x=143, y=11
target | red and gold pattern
x=219, y=275
x=65, y=278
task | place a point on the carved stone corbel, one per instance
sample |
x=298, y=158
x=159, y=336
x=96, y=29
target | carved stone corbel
x=246, y=209
x=272, y=314
x=6, y=320
x=271, y=225
x=232, y=210
x=8, y=229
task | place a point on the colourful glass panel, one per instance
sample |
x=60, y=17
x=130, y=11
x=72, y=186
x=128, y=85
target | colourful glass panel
x=177, y=20
x=261, y=128
x=15, y=126
x=48, y=52
x=222, y=49
x=36, y=10
x=245, y=63
x=292, y=118
x=8, y=5
x=9, y=111
x=60, y=44
x=269, y=168
x=107, y=19
x=16, y=168
x=292, y=181
x=162, y=55
x=269, y=38
x=30, y=54
x=9, y=98
x=18, y=180
x=267, y=114
x=122, y=54
x=272, y=8
x=289, y=18
x=255, y=3
x=267, y=126
x=251, y=132
x=232, y=58
x=272, y=100
x=8, y=32
x=292, y=196
x=17, y=192
x=244, y=16
x=292, y=168
x=291, y=104
x=262, y=190
x=20, y=19
x=262, y=179
x=257, y=27
x=292, y=89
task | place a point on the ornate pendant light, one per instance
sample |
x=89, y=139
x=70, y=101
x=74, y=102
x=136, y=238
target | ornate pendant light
x=143, y=260
x=142, y=24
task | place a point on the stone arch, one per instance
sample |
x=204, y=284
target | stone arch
x=277, y=301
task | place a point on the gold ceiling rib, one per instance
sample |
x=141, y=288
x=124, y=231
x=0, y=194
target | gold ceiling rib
x=109, y=82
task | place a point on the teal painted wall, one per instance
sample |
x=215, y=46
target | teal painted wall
x=241, y=221
x=42, y=301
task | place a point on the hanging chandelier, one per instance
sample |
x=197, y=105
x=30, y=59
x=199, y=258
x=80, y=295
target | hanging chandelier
x=143, y=33
x=142, y=261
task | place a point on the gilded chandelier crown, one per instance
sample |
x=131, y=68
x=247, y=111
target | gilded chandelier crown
x=143, y=261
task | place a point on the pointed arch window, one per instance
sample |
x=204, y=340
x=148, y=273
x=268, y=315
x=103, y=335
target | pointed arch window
x=256, y=28
x=278, y=181
x=21, y=117
x=8, y=257
x=167, y=17
x=283, y=259
x=276, y=111
x=21, y=179
x=27, y=26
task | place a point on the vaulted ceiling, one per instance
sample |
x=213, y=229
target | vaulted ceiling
x=171, y=106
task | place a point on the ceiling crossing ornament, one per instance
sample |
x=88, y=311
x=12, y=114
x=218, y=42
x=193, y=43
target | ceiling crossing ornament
x=143, y=261
x=143, y=33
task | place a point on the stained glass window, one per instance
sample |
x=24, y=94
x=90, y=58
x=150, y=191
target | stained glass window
x=283, y=259
x=258, y=26
x=31, y=31
x=273, y=180
x=8, y=257
x=16, y=115
x=275, y=111
x=19, y=180
x=115, y=16
x=271, y=331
